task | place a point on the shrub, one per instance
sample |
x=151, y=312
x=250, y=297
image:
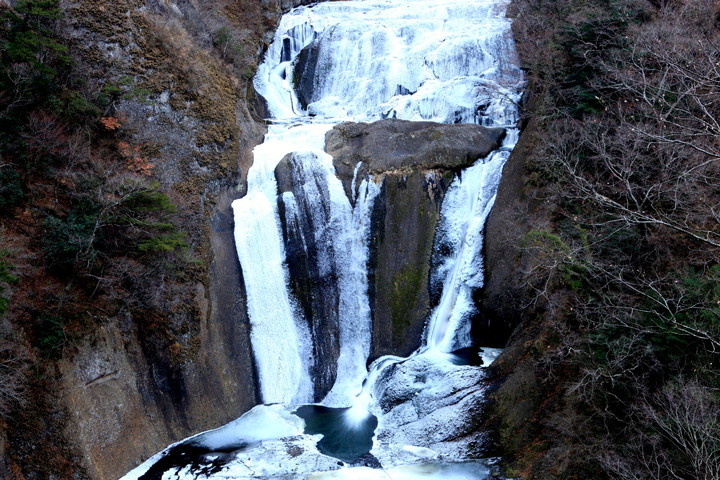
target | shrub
x=49, y=334
x=72, y=239
x=6, y=277
x=11, y=191
x=13, y=371
x=114, y=217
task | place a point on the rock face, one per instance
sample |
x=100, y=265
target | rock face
x=137, y=383
x=415, y=161
x=400, y=147
x=502, y=296
x=305, y=68
x=313, y=272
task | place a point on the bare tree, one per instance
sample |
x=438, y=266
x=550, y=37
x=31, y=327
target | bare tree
x=13, y=369
x=685, y=415
x=627, y=152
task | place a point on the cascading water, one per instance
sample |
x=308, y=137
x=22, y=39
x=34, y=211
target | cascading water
x=458, y=251
x=447, y=61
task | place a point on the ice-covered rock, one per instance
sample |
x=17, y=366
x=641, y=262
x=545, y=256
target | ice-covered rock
x=423, y=406
x=268, y=441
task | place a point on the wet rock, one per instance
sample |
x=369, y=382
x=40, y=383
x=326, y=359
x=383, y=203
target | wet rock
x=397, y=146
x=305, y=70
x=310, y=261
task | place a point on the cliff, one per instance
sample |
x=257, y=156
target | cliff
x=137, y=350
x=581, y=271
x=415, y=162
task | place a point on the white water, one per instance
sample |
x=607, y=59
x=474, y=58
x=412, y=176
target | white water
x=280, y=337
x=355, y=323
x=465, y=209
x=449, y=61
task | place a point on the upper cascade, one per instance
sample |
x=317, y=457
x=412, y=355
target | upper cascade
x=437, y=60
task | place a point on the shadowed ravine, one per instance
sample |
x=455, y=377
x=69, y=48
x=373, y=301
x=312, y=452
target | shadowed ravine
x=314, y=240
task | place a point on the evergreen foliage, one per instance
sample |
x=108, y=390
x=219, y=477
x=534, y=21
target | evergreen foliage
x=6, y=278
x=109, y=219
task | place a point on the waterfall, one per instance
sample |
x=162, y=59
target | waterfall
x=448, y=61
x=413, y=60
x=458, y=252
x=280, y=336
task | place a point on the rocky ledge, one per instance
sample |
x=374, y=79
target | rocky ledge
x=402, y=147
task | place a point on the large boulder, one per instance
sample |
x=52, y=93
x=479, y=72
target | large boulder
x=423, y=402
x=400, y=147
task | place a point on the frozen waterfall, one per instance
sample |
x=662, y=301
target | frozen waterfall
x=448, y=61
x=413, y=60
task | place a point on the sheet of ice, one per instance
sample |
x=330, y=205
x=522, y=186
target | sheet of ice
x=489, y=355
x=273, y=78
x=415, y=60
x=427, y=59
x=354, y=308
x=263, y=422
x=431, y=60
x=423, y=471
x=281, y=341
x=458, y=246
x=271, y=445
x=339, y=236
x=424, y=401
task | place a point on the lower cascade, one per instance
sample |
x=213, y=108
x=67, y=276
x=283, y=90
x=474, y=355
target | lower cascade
x=304, y=238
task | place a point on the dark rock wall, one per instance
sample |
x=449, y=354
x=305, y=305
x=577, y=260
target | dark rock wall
x=315, y=288
x=416, y=162
x=408, y=210
x=503, y=300
x=521, y=399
